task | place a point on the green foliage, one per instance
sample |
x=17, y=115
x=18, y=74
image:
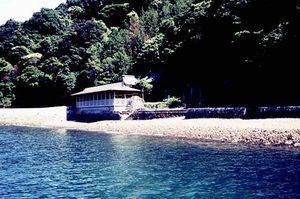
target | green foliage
x=66, y=80
x=49, y=21
x=173, y=102
x=93, y=42
x=151, y=51
x=168, y=27
x=5, y=69
x=6, y=84
x=33, y=77
x=150, y=23
x=275, y=36
x=114, y=14
x=17, y=52
x=108, y=60
x=115, y=65
x=51, y=65
x=6, y=94
x=76, y=12
x=49, y=45
x=144, y=85
x=63, y=79
x=155, y=105
x=89, y=32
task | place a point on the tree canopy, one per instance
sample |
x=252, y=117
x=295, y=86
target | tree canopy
x=208, y=52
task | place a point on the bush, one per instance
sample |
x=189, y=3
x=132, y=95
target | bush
x=173, y=102
x=155, y=105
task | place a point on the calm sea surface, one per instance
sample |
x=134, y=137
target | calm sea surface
x=43, y=163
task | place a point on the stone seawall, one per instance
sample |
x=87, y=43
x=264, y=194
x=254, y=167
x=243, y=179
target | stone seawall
x=215, y=113
x=273, y=112
x=225, y=113
x=148, y=115
x=92, y=116
x=244, y=112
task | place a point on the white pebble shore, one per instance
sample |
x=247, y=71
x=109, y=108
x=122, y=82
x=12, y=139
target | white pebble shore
x=271, y=132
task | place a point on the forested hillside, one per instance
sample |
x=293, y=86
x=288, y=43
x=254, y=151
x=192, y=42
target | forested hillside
x=209, y=53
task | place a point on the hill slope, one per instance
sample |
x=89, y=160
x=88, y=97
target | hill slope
x=213, y=53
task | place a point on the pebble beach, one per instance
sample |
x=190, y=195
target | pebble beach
x=267, y=132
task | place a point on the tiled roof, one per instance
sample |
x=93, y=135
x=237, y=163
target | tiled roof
x=109, y=87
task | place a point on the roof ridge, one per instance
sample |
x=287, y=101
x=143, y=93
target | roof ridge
x=118, y=86
x=105, y=85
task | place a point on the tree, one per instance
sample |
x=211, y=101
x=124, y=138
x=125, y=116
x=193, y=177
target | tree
x=49, y=46
x=243, y=58
x=7, y=86
x=145, y=85
x=48, y=21
x=89, y=32
x=62, y=79
x=114, y=14
x=17, y=52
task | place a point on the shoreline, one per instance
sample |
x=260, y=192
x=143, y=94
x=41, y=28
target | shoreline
x=266, y=132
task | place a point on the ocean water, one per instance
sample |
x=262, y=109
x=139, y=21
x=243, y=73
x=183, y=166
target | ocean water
x=43, y=163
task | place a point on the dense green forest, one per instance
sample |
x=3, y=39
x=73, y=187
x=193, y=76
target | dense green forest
x=209, y=53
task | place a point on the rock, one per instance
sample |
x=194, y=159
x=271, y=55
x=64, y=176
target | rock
x=289, y=142
x=297, y=144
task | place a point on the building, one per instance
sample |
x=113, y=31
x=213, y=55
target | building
x=116, y=97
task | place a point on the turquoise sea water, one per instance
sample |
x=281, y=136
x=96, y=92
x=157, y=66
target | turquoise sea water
x=43, y=163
